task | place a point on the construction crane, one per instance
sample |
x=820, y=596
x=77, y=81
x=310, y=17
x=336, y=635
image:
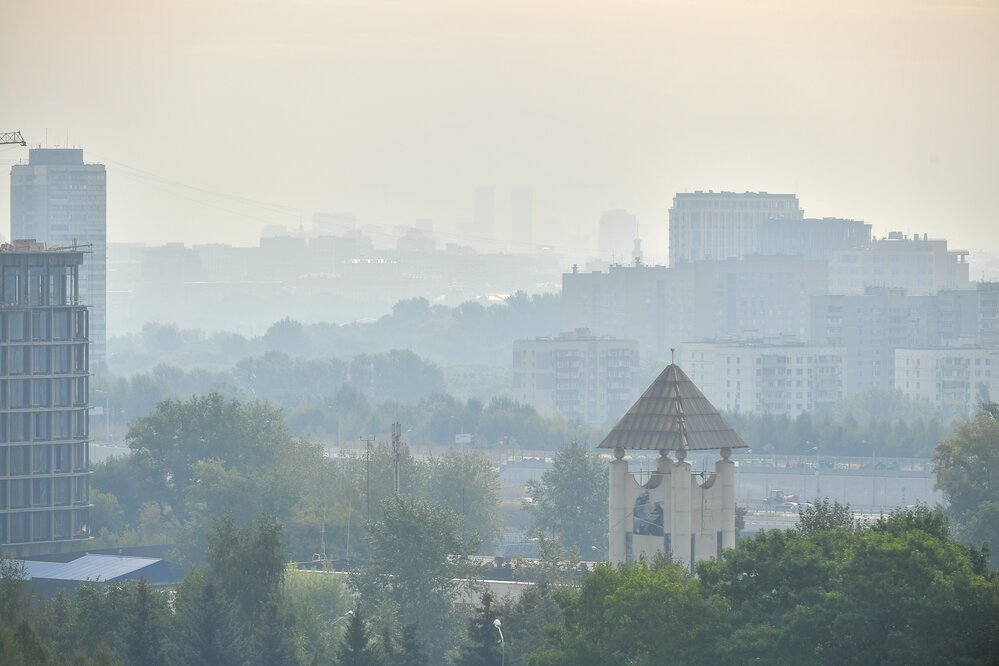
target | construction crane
x=12, y=137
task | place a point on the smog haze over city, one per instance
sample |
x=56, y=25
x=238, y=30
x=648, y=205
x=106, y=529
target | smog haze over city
x=483, y=333
x=397, y=111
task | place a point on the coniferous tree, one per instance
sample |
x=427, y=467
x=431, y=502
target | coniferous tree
x=208, y=632
x=30, y=645
x=356, y=649
x=412, y=650
x=482, y=644
x=273, y=645
x=145, y=635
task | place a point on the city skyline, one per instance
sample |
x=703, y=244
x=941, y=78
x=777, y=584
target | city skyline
x=400, y=115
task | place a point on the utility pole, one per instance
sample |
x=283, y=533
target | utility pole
x=367, y=439
x=396, y=443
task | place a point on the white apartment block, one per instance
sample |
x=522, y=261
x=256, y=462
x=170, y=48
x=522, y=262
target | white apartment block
x=922, y=266
x=723, y=225
x=954, y=380
x=767, y=379
x=577, y=375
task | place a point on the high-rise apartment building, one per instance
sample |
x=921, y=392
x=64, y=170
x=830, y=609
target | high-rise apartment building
x=871, y=327
x=753, y=298
x=952, y=379
x=767, y=379
x=57, y=199
x=578, y=375
x=44, y=397
x=811, y=238
x=921, y=265
x=723, y=225
x=988, y=317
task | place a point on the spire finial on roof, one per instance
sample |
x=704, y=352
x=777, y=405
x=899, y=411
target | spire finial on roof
x=672, y=361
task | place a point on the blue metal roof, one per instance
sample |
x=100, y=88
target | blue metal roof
x=88, y=567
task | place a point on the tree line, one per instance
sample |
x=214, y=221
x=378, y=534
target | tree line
x=904, y=589
x=469, y=334
x=830, y=591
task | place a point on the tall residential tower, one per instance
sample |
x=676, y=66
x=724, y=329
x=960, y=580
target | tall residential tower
x=57, y=199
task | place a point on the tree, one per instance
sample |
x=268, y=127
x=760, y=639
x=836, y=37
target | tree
x=145, y=634
x=825, y=515
x=13, y=591
x=527, y=619
x=901, y=591
x=207, y=627
x=272, y=635
x=418, y=556
x=468, y=483
x=481, y=646
x=570, y=501
x=356, y=648
x=247, y=562
x=30, y=645
x=412, y=650
x=967, y=465
x=634, y=614
x=173, y=440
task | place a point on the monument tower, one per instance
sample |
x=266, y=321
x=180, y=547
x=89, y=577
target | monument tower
x=672, y=513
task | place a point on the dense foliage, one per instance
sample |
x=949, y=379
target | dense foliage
x=194, y=460
x=570, y=501
x=967, y=465
x=900, y=591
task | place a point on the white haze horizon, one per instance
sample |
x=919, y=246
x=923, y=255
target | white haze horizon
x=217, y=119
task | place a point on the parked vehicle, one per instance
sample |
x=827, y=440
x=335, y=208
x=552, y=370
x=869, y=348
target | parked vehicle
x=775, y=497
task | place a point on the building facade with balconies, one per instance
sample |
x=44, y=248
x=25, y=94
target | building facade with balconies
x=761, y=378
x=577, y=375
x=44, y=398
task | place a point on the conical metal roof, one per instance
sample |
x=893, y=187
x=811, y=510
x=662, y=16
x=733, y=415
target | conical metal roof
x=672, y=414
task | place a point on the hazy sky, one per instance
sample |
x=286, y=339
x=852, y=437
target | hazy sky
x=396, y=110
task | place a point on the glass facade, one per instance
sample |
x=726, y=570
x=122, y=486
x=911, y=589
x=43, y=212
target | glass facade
x=44, y=398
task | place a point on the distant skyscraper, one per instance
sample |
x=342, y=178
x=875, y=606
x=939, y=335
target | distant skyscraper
x=723, y=225
x=522, y=220
x=617, y=234
x=57, y=199
x=484, y=216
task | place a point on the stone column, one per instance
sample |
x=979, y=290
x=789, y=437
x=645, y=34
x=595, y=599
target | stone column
x=725, y=469
x=680, y=507
x=619, y=519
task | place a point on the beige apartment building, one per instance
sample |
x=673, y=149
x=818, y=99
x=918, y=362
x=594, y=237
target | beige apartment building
x=576, y=375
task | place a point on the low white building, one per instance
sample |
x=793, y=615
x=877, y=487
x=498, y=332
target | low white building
x=760, y=378
x=953, y=379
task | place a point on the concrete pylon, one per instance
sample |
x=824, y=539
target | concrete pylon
x=679, y=508
x=725, y=471
x=619, y=516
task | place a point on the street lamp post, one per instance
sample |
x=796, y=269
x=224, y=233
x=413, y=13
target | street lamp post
x=499, y=628
x=818, y=474
x=349, y=614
